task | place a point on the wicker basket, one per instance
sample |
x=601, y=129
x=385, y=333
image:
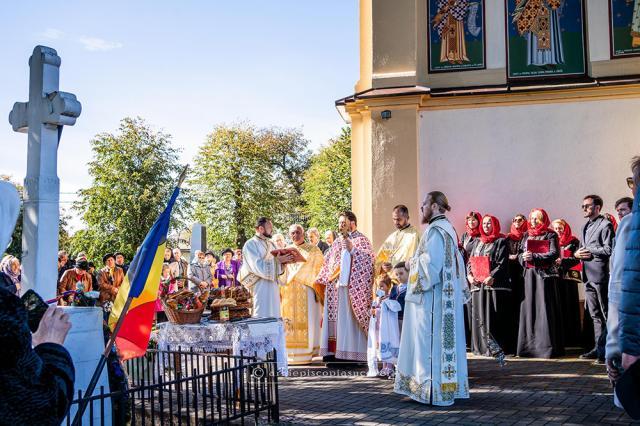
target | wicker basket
x=192, y=316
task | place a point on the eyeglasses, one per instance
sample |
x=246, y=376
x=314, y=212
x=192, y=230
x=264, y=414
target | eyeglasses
x=518, y=219
x=586, y=206
x=630, y=182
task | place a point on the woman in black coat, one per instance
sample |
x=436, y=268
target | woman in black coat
x=490, y=294
x=519, y=226
x=569, y=279
x=469, y=237
x=540, y=331
x=36, y=383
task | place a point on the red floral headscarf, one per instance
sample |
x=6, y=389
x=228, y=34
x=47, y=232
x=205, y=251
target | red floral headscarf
x=475, y=232
x=567, y=236
x=516, y=234
x=543, y=226
x=495, y=230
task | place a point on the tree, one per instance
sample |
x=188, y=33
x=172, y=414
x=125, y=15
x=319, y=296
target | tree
x=134, y=173
x=15, y=247
x=241, y=173
x=327, y=182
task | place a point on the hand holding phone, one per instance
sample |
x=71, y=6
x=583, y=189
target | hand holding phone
x=36, y=307
x=53, y=328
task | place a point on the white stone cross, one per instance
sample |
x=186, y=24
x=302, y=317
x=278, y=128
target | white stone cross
x=43, y=117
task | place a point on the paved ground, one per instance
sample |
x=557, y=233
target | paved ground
x=568, y=391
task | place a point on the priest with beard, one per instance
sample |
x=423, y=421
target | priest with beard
x=301, y=303
x=432, y=363
x=261, y=271
x=347, y=277
x=402, y=243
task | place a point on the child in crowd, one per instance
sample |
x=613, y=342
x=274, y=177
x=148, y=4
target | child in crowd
x=384, y=336
x=398, y=292
x=167, y=286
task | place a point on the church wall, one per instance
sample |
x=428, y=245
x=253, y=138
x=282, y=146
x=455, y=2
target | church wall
x=394, y=156
x=509, y=159
x=394, y=39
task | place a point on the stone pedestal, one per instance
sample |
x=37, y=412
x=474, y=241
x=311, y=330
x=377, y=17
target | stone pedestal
x=85, y=342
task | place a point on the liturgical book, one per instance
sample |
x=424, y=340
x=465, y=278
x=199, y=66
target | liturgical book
x=480, y=267
x=297, y=257
x=538, y=247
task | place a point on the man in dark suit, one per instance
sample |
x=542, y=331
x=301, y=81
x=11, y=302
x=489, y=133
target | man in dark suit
x=595, y=250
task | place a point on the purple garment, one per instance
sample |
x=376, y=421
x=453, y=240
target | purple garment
x=221, y=270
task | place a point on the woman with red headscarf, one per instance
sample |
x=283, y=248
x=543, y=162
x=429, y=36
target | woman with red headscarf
x=516, y=273
x=469, y=237
x=570, y=277
x=490, y=294
x=471, y=233
x=539, y=333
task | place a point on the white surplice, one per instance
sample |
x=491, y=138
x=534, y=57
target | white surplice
x=432, y=363
x=384, y=335
x=260, y=273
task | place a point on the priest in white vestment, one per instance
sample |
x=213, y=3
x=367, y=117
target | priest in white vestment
x=402, y=243
x=347, y=277
x=432, y=363
x=261, y=271
x=301, y=302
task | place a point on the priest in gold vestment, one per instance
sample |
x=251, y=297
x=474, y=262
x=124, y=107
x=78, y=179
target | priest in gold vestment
x=401, y=244
x=301, y=303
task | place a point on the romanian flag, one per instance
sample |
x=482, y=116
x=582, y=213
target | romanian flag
x=141, y=285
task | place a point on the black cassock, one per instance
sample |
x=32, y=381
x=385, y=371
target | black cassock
x=540, y=331
x=516, y=276
x=467, y=242
x=569, y=297
x=491, y=307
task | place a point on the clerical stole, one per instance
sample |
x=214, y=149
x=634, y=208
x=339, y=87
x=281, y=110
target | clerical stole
x=301, y=305
x=360, y=279
x=400, y=246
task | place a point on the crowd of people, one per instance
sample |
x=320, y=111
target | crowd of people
x=413, y=309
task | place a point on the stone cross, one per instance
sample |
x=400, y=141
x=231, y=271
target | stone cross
x=43, y=117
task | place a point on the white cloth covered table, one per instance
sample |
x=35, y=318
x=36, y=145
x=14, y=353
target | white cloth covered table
x=251, y=336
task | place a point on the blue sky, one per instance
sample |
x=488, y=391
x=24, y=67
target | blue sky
x=183, y=66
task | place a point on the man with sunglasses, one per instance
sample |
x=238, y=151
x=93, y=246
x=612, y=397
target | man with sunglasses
x=595, y=250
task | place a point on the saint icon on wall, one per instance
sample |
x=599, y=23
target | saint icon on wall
x=539, y=22
x=456, y=35
x=625, y=27
x=545, y=38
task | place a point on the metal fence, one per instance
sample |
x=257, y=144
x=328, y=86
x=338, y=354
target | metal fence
x=190, y=388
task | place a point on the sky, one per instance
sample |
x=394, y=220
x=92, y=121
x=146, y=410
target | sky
x=184, y=67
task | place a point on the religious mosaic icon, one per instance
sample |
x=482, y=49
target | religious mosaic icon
x=624, y=24
x=456, y=35
x=545, y=38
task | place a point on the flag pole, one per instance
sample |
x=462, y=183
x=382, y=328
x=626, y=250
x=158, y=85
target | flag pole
x=84, y=401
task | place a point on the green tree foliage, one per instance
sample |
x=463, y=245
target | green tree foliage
x=241, y=173
x=327, y=182
x=15, y=247
x=134, y=173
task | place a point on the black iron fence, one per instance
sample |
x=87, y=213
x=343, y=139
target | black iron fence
x=189, y=388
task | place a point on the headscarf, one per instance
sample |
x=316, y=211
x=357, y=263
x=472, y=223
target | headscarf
x=475, y=232
x=613, y=221
x=495, y=230
x=516, y=234
x=543, y=226
x=567, y=236
x=5, y=266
